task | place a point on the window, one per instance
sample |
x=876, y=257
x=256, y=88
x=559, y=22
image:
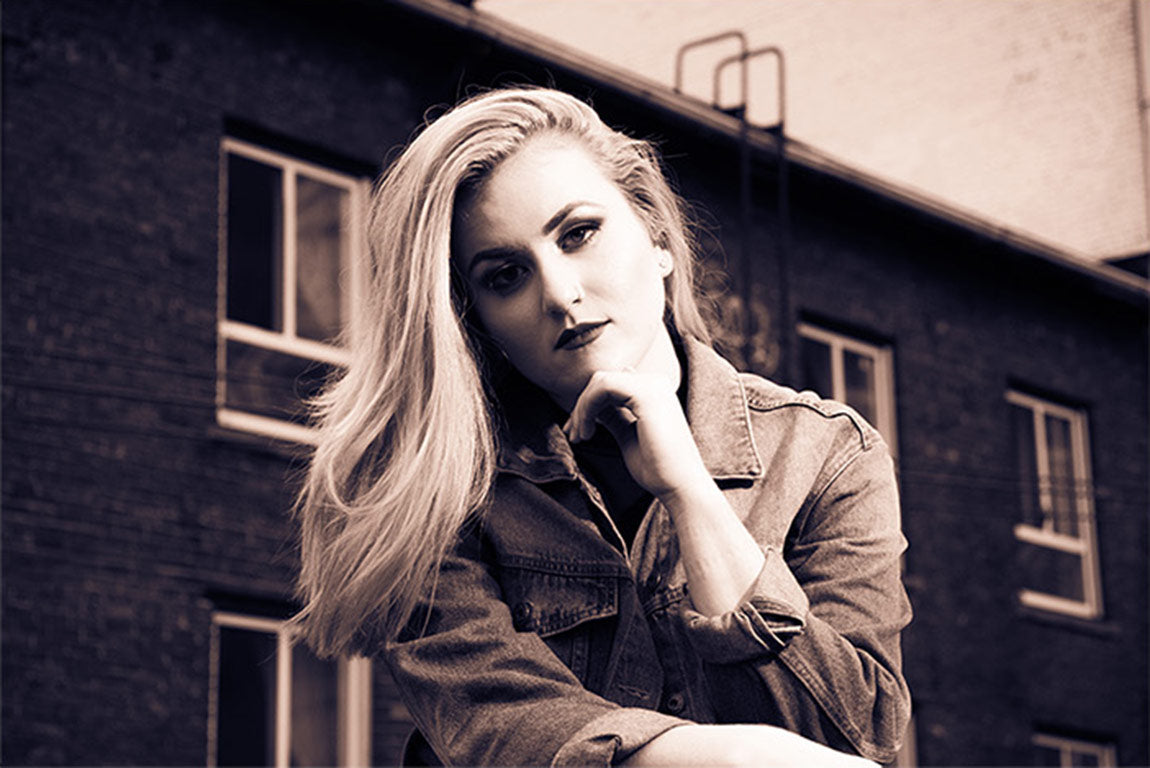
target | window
x=850, y=371
x=1061, y=751
x=1056, y=507
x=289, y=230
x=275, y=703
x=907, y=756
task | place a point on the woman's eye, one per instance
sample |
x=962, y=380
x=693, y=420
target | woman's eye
x=578, y=235
x=504, y=279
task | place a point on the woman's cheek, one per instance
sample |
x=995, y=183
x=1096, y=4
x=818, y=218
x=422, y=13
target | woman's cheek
x=514, y=328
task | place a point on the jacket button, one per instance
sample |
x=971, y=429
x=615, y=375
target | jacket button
x=521, y=612
x=675, y=703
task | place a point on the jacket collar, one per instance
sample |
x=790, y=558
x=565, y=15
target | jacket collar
x=532, y=443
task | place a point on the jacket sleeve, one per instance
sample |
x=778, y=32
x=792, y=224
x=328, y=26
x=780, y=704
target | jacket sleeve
x=819, y=631
x=482, y=693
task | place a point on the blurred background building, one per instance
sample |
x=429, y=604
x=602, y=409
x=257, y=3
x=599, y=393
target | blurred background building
x=182, y=183
x=1031, y=113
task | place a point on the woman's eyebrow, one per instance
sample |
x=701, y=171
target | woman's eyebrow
x=503, y=252
x=563, y=213
x=491, y=254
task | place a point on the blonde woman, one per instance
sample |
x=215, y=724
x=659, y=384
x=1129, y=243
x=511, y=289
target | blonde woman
x=573, y=532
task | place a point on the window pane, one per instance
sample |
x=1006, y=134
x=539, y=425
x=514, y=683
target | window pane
x=314, y=708
x=1083, y=758
x=319, y=220
x=1061, y=478
x=1047, y=756
x=1053, y=571
x=816, y=361
x=858, y=372
x=270, y=383
x=254, y=242
x=1022, y=421
x=245, y=725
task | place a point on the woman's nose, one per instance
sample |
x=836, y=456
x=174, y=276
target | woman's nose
x=561, y=287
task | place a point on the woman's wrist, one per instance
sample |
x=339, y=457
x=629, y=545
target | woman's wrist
x=721, y=558
x=696, y=494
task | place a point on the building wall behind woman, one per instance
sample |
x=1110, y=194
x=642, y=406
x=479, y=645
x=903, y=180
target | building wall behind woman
x=136, y=521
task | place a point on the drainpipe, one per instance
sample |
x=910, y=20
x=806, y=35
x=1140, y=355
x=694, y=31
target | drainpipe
x=746, y=280
x=783, y=193
x=1141, y=51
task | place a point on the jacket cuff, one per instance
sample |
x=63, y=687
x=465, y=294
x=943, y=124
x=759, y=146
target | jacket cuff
x=762, y=624
x=613, y=736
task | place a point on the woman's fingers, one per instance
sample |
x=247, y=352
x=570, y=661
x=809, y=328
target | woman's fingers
x=611, y=398
x=620, y=422
x=643, y=414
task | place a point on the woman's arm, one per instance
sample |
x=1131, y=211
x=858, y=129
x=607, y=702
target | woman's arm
x=643, y=413
x=817, y=642
x=738, y=746
x=818, y=626
x=483, y=693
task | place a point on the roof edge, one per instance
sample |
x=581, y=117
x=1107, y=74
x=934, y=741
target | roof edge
x=1122, y=283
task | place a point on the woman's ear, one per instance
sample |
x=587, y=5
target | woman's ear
x=666, y=263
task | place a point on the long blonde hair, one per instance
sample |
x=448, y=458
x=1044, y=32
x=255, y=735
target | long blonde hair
x=406, y=448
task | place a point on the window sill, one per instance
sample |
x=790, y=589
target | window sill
x=1096, y=627
x=271, y=446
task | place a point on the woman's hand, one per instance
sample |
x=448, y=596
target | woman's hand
x=761, y=746
x=643, y=414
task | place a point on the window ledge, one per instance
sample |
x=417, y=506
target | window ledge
x=1096, y=627
x=271, y=446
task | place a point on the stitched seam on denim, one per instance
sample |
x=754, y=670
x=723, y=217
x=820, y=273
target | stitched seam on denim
x=659, y=602
x=749, y=430
x=855, y=420
x=755, y=629
x=818, y=497
x=823, y=697
x=536, y=478
x=775, y=607
x=813, y=501
x=563, y=567
x=569, y=618
x=568, y=621
x=563, y=620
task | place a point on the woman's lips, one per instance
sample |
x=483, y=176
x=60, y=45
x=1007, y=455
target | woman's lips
x=580, y=335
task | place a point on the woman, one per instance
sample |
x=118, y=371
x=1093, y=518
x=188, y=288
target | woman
x=574, y=533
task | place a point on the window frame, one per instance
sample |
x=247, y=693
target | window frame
x=839, y=343
x=907, y=756
x=285, y=341
x=353, y=737
x=1085, y=544
x=1106, y=753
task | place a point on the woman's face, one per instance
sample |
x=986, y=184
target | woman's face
x=561, y=271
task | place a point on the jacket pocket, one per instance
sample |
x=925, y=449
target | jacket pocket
x=563, y=607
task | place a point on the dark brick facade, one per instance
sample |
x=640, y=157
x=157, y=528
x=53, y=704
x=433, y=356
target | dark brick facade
x=128, y=515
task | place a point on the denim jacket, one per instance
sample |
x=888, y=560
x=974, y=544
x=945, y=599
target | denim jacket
x=550, y=641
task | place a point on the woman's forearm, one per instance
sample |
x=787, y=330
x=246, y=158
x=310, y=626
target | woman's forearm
x=643, y=414
x=734, y=746
x=721, y=557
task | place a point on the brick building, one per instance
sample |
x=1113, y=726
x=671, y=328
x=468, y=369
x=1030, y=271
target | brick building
x=180, y=183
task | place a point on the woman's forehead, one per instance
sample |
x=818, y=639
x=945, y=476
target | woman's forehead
x=543, y=174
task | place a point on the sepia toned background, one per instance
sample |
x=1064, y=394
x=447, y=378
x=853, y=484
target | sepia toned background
x=945, y=227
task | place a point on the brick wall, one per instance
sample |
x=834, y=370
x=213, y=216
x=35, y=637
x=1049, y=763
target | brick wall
x=124, y=506
x=126, y=511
